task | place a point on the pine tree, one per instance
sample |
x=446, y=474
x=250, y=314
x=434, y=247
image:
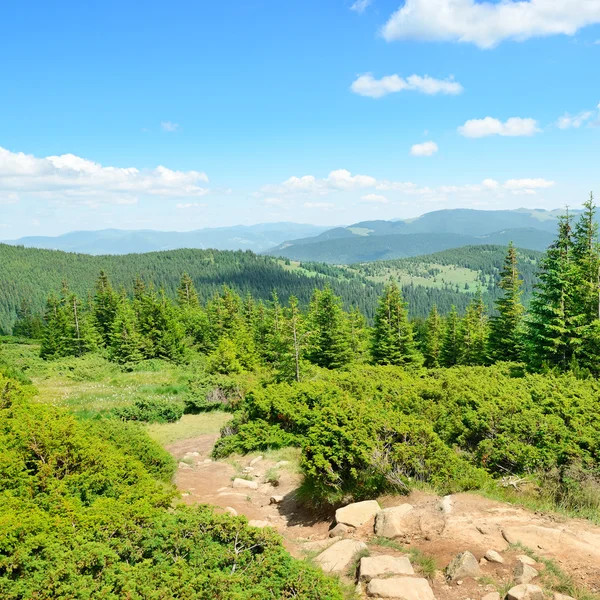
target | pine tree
x=473, y=334
x=433, y=339
x=291, y=364
x=80, y=334
x=330, y=339
x=127, y=345
x=105, y=305
x=187, y=295
x=359, y=335
x=506, y=329
x=451, y=343
x=552, y=337
x=393, y=341
x=53, y=332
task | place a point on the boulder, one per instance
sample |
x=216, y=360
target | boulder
x=282, y=463
x=340, y=530
x=407, y=588
x=338, y=557
x=373, y=567
x=526, y=560
x=494, y=557
x=492, y=596
x=524, y=573
x=446, y=505
x=558, y=596
x=244, y=483
x=525, y=592
x=391, y=522
x=255, y=460
x=183, y=465
x=463, y=565
x=258, y=523
x=275, y=499
x=357, y=514
x=231, y=511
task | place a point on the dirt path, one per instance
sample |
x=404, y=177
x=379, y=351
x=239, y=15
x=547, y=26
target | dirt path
x=441, y=528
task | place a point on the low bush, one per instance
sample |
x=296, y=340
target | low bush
x=151, y=410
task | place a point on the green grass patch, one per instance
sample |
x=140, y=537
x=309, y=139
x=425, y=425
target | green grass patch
x=188, y=427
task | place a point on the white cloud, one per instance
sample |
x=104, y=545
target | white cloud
x=340, y=179
x=361, y=5
x=169, y=126
x=568, y=121
x=490, y=184
x=8, y=197
x=320, y=205
x=519, y=184
x=513, y=127
x=375, y=199
x=186, y=205
x=74, y=179
x=367, y=85
x=486, y=24
x=424, y=149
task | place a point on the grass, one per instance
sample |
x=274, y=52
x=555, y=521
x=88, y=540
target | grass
x=189, y=426
x=353, y=566
x=425, y=564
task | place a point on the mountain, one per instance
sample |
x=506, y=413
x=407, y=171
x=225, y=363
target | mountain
x=257, y=238
x=364, y=248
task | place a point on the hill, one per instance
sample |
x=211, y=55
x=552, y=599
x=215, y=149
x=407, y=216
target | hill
x=351, y=248
x=115, y=241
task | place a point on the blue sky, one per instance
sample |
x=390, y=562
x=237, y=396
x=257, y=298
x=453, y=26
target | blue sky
x=188, y=114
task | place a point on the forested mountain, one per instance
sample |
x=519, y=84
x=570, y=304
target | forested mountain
x=114, y=241
x=349, y=248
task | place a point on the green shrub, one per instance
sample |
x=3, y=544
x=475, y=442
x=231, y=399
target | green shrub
x=151, y=410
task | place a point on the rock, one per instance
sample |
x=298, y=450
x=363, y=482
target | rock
x=357, y=514
x=258, y=523
x=276, y=499
x=463, y=565
x=338, y=557
x=525, y=592
x=492, y=596
x=446, y=505
x=373, y=567
x=207, y=461
x=340, y=530
x=390, y=522
x=526, y=560
x=407, y=588
x=282, y=463
x=558, y=596
x=494, y=557
x=524, y=573
x=231, y=511
x=183, y=465
x=534, y=536
x=483, y=562
x=318, y=545
x=247, y=469
x=244, y=483
x=255, y=460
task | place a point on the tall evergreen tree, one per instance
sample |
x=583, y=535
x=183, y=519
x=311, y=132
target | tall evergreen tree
x=433, y=339
x=506, y=329
x=393, y=341
x=127, y=345
x=54, y=329
x=451, y=349
x=330, y=339
x=105, y=303
x=473, y=334
x=187, y=296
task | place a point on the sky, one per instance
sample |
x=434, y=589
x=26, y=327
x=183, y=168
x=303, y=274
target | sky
x=194, y=113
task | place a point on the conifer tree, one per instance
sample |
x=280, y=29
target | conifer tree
x=127, y=345
x=359, y=335
x=330, y=339
x=552, y=337
x=451, y=343
x=54, y=329
x=187, y=295
x=291, y=363
x=506, y=328
x=473, y=334
x=105, y=304
x=393, y=341
x=433, y=339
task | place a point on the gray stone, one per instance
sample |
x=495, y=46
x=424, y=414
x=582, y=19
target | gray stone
x=340, y=530
x=282, y=463
x=244, y=483
x=525, y=592
x=357, y=514
x=183, y=465
x=338, y=557
x=446, y=505
x=558, y=596
x=524, y=573
x=255, y=460
x=258, y=523
x=463, y=565
x=276, y=499
x=526, y=560
x=492, y=596
x=407, y=588
x=494, y=557
x=374, y=567
x=391, y=522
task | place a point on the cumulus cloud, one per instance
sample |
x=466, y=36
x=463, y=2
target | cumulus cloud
x=367, y=85
x=361, y=5
x=513, y=127
x=169, y=126
x=375, y=199
x=72, y=178
x=340, y=179
x=486, y=24
x=424, y=149
x=568, y=121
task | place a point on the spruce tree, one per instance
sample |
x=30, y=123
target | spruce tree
x=451, y=343
x=105, y=305
x=330, y=339
x=473, y=334
x=433, y=339
x=187, y=295
x=393, y=340
x=127, y=345
x=506, y=328
x=53, y=332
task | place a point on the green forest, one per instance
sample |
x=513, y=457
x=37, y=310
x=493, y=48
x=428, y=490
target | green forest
x=381, y=403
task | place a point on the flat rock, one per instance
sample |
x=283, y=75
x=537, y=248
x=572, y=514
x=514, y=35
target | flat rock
x=525, y=592
x=338, y=557
x=373, y=567
x=340, y=530
x=534, y=536
x=231, y=511
x=463, y=565
x=183, y=465
x=526, y=560
x=494, y=557
x=244, y=483
x=524, y=573
x=258, y=523
x=558, y=596
x=407, y=588
x=391, y=522
x=492, y=596
x=357, y=514
x=255, y=460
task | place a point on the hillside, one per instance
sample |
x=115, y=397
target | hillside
x=353, y=248
x=115, y=241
